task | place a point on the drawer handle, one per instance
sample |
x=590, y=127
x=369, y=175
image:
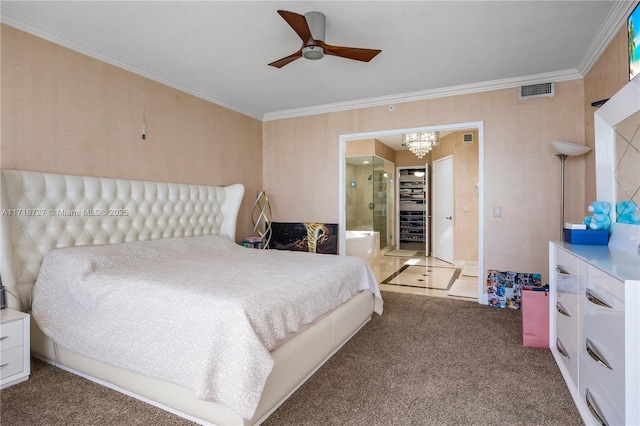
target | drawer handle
x=595, y=354
x=4, y=365
x=3, y=337
x=595, y=300
x=562, y=349
x=593, y=407
x=561, y=270
x=562, y=310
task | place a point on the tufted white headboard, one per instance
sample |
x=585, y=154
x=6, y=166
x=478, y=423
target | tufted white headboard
x=41, y=211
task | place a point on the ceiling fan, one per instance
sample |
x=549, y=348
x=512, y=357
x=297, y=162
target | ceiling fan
x=310, y=28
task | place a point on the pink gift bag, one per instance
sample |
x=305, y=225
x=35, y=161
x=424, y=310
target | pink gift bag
x=535, y=317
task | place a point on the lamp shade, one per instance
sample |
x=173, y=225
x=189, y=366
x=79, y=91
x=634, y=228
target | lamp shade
x=570, y=149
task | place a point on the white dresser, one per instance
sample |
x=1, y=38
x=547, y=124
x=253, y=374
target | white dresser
x=15, y=361
x=594, y=335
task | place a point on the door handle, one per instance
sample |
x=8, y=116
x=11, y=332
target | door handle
x=448, y=217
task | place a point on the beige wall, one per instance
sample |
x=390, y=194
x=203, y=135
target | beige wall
x=383, y=151
x=360, y=148
x=407, y=158
x=465, y=171
x=63, y=112
x=608, y=75
x=522, y=175
x=365, y=147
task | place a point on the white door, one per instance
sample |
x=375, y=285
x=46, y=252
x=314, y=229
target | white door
x=442, y=209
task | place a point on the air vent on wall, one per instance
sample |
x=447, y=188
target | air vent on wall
x=467, y=138
x=536, y=90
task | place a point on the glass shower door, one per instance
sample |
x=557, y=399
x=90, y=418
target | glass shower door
x=379, y=197
x=369, y=196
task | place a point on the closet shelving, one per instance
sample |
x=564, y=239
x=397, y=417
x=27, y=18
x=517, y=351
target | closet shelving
x=412, y=207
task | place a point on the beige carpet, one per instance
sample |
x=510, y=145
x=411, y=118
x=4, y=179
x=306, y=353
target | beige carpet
x=464, y=288
x=55, y=397
x=434, y=362
x=402, y=253
x=423, y=276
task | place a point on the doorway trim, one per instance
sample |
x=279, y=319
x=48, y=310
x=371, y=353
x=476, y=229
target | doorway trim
x=342, y=141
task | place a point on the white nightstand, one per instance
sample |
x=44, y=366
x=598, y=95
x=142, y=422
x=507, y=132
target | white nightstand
x=15, y=355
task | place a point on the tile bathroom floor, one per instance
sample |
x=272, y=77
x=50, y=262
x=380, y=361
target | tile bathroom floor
x=419, y=274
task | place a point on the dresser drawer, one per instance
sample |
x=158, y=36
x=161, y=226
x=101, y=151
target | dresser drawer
x=568, y=350
x=14, y=347
x=593, y=394
x=11, y=334
x=599, y=344
x=11, y=362
x=603, y=302
x=567, y=285
x=567, y=314
x=604, y=281
x=566, y=264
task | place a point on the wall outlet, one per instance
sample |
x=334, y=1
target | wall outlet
x=497, y=211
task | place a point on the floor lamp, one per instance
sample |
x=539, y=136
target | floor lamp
x=566, y=149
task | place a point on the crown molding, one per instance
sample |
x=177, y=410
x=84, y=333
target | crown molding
x=507, y=83
x=616, y=18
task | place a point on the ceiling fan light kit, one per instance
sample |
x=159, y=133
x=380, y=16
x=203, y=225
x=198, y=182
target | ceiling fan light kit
x=313, y=52
x=310, y=28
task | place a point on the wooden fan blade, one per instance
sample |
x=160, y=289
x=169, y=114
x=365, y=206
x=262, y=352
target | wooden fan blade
x=364, y=55
x=299, y=24
x=284, y=61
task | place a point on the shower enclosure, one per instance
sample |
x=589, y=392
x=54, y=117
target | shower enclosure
x=369, y=197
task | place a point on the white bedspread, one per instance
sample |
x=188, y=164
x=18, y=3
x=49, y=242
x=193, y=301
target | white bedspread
x=200, y=312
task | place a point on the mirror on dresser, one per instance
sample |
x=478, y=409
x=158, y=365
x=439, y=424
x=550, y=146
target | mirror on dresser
x=617, y=141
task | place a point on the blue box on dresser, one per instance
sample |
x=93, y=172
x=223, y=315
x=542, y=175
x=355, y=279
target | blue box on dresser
x=588, y=236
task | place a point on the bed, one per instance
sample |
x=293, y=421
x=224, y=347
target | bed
x=134, y=264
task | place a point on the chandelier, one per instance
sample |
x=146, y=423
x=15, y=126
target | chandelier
x=420, y=143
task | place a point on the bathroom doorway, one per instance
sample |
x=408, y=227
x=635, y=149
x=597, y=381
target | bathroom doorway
x=468, y=212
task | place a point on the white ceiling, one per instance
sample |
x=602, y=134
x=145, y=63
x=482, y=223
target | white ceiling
x=219, y=50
